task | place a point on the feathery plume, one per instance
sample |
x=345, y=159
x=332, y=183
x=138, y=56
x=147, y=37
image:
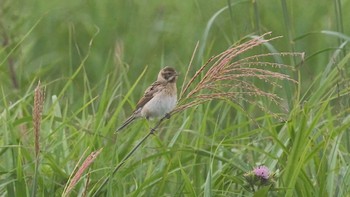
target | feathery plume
x=88, y=161
x=230, y=76
x=37, y=112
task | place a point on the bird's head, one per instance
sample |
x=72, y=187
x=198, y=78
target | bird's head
x=168, y=74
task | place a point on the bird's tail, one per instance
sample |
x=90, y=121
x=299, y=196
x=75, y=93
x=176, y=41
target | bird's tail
x=127, y=122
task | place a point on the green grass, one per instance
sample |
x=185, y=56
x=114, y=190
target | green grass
x=95, y=59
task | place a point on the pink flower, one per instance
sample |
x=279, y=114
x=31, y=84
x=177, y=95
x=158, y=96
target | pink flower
x=262, y=172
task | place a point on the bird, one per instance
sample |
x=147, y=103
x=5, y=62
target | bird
x=159, y=99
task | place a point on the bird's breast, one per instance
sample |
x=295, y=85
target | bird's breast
x=159, y=105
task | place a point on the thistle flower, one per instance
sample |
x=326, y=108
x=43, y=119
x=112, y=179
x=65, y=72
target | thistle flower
x=259, y=177
x=262, y=172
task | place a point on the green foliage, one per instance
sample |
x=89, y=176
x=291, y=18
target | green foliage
x=95, y=58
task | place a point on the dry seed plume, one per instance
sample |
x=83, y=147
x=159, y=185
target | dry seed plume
x=37, y=112
x=230, y=75
x=87, y=162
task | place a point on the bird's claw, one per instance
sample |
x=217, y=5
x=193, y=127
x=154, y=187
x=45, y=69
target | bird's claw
x=167, y=116
x=152, y=131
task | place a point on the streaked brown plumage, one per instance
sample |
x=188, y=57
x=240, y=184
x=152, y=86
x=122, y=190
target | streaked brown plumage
x=158, y=100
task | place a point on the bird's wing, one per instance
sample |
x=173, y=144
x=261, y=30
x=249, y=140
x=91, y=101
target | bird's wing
x=149, y=94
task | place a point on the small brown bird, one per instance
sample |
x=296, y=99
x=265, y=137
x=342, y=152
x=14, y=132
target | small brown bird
x=158, y=100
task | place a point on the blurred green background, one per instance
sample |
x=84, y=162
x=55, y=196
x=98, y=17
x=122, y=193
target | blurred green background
x=49, y=39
